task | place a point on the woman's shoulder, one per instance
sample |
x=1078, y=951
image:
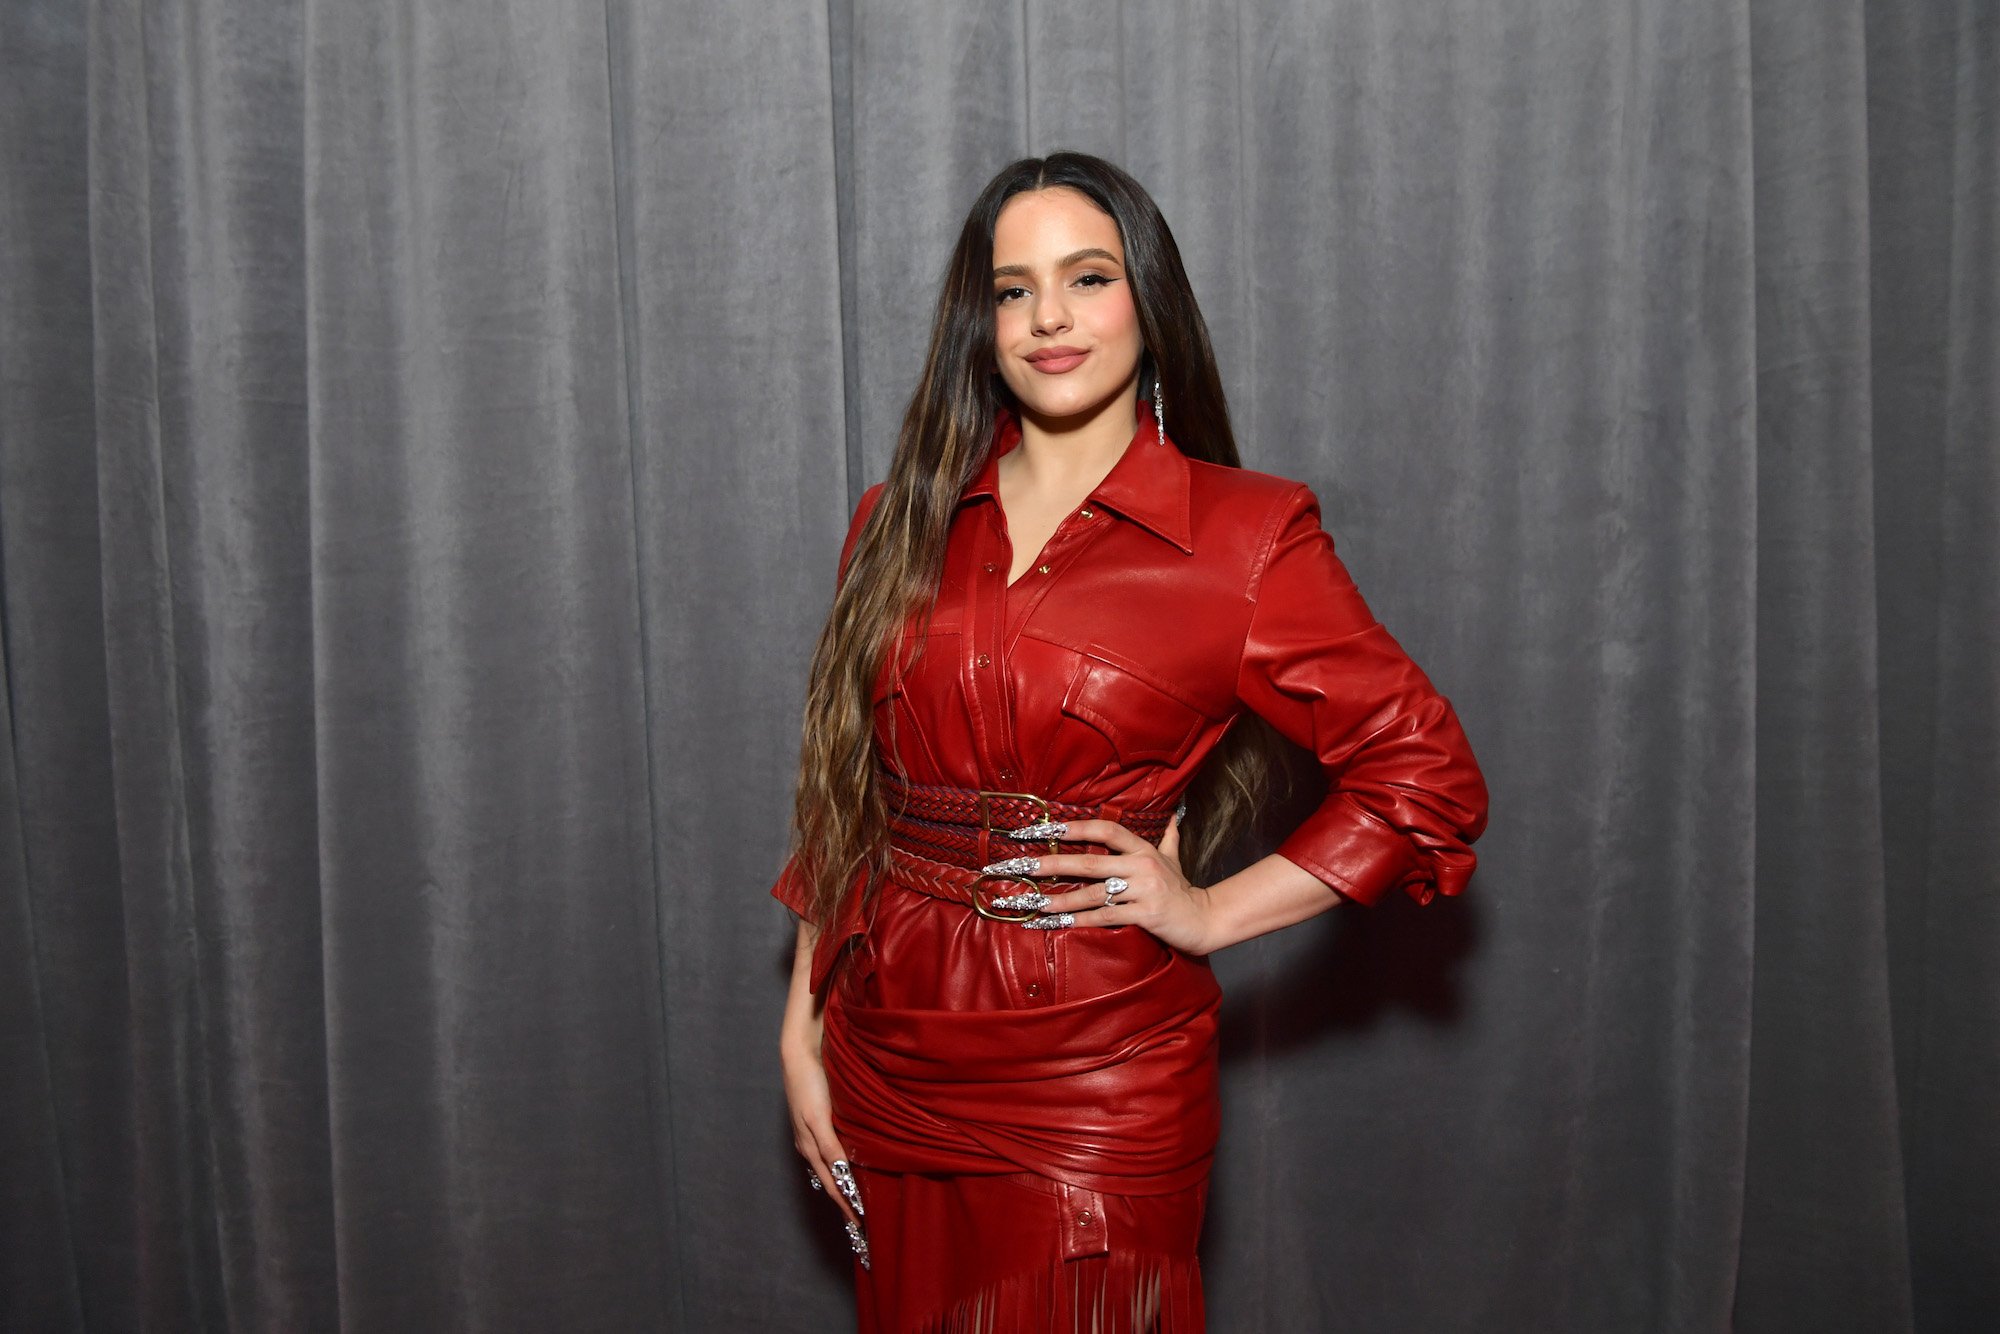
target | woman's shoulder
x=1239, y=497
x=862, y=509
x=1233, y=483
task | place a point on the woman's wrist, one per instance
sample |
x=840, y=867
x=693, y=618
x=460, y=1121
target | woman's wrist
x=1204, y=901
x=1261, y=898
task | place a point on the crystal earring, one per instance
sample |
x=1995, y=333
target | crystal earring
x=1159, y=408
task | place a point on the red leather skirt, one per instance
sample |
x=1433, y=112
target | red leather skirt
x=1031, y=1116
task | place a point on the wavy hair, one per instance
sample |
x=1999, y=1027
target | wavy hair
x=839, y=819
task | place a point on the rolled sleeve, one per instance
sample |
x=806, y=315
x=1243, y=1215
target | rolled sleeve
x=790, y=888
x=1405, y=796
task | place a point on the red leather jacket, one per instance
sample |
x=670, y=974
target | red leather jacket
x=1177, y=595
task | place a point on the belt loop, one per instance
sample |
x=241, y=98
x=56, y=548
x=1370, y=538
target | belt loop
x=985, y=827
x=1083, y=1226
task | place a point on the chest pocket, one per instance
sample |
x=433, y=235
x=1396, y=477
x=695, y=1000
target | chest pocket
x=1143, y=723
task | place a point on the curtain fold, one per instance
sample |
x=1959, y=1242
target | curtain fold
x=1820, y=1021
x=426, y=432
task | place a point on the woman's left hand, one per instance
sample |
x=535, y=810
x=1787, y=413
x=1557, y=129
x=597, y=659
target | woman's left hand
x=1157, y=896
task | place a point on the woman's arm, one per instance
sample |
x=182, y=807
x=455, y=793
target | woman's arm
x=1405, y=796
x=1262, y=897
x=799, y=1033
x=806, y=1091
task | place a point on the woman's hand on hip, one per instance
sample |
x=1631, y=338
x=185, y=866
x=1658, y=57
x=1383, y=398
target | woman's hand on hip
x=1156, y=896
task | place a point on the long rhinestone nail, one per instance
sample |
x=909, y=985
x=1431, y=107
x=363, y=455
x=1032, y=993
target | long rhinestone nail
x=1033, y=898
x=1040, y=829
x=843, y=1178
x=1054, y=923
x=1011, y=866
x=859, y=1243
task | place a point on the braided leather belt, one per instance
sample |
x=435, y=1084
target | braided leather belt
x=941, y=835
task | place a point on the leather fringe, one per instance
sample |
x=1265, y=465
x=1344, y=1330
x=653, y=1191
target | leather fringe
x=1123, y=1293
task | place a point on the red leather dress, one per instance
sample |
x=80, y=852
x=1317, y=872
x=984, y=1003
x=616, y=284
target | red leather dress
x=1031, y=1114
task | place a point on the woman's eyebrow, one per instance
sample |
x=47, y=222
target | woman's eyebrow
x=1088, y=252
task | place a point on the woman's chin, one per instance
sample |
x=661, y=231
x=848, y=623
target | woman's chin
x=1070, y=404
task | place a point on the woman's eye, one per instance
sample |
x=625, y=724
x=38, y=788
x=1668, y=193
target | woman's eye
x=1089, y=279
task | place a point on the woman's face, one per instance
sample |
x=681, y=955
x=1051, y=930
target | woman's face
x=1066, y=332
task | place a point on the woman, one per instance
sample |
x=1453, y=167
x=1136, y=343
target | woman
x=1054, y=613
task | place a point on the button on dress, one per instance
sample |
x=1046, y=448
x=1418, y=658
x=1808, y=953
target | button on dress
x=1178, y=596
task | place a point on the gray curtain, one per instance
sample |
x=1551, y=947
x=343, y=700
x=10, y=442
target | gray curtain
x=426, y=435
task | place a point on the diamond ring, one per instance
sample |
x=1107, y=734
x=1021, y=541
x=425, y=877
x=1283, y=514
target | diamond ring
x=1113, y=887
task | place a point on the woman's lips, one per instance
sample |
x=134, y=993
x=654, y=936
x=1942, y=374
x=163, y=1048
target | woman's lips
x=1057, y=365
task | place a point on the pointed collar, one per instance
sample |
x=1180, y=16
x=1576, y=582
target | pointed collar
x=1148, y=484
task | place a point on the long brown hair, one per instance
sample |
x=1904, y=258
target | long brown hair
x=839, y=822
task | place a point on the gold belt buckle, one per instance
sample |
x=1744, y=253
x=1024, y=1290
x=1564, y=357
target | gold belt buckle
x=979, y=905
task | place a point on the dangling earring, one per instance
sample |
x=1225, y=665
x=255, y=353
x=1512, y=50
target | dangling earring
x=1159, y=408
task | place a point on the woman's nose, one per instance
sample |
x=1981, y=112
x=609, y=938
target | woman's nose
x=1050, y=313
